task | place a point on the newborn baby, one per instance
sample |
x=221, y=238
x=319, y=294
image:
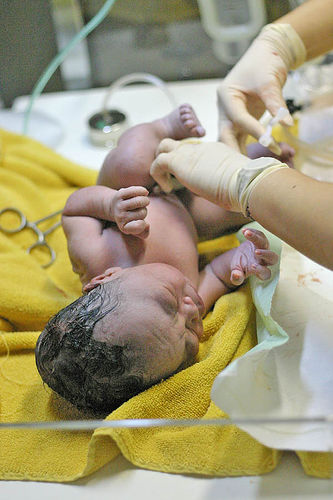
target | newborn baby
x=140, y=318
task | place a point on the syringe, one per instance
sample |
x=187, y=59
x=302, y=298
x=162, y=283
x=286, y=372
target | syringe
x=266, y=138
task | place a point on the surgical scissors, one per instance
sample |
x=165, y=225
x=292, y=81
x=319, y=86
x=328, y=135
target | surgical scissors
x=24, y=223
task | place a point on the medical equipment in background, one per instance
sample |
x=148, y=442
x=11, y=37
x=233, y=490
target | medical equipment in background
x=25, y=224
x=232, y=24
x=55, y=63
x=68, y=20
x=107, y=125
x=40, y=124
x=312, y=138
x=309, y=97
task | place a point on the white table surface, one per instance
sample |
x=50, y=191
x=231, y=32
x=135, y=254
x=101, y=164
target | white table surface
x=140, y=103
x=120, y=479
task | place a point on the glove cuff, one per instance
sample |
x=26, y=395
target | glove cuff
x=245, y=179
x=287, y=42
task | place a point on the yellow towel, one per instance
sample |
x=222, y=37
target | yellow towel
x=38, y=181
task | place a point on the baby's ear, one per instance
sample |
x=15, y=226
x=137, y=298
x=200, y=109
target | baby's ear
x=101, y=278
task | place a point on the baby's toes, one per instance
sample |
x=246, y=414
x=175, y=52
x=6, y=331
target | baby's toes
x=191, y=121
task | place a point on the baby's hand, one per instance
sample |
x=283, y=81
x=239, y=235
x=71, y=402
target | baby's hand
x=129, y=210
x=252, y=258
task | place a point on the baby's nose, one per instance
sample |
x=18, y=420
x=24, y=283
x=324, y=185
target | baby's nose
x=193, y=316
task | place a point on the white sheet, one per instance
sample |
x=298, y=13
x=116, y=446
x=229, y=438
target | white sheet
x=288, y=378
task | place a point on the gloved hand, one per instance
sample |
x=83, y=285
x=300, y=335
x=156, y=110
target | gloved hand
x=256, y=82
x=211, y=170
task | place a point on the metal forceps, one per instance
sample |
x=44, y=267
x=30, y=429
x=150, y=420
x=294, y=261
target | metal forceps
x=41, y=235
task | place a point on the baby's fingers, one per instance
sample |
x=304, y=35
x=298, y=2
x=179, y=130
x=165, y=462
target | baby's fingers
x=237, y=277
x=132, y=191
x=256, y=237
x=133, y=215
x=138, y=228
x=135, y=203
x=266, y=257
x=262, y=272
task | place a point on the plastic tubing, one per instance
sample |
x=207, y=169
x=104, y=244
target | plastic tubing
x=136, y=78
x=55, y=63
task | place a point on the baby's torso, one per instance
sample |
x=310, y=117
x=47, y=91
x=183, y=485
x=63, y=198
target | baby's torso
x=172, y=240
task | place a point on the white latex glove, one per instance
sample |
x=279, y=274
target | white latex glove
x=255, y=83
x=211, y=170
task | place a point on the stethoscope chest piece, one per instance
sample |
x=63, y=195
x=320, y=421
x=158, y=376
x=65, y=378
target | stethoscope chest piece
x=106, y=127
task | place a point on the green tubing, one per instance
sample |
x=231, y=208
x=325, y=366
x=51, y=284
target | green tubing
x=55, y=63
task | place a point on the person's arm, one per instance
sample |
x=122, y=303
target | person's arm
x=255, y=83
x=291, y=205
x=297, y=209
x=313, y=21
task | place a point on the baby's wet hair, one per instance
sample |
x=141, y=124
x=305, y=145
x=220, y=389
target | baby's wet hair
x=91, y=374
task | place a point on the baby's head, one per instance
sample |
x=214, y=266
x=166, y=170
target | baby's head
x=134, y=327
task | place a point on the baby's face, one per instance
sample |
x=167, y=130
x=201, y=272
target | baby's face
x=162, y=324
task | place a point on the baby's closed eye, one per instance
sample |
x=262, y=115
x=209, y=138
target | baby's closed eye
x=168, y=301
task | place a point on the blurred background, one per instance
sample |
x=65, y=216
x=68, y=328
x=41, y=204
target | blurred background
x=173, y=39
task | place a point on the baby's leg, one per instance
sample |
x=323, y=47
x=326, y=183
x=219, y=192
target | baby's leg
x=129, y=163
x=209, y=219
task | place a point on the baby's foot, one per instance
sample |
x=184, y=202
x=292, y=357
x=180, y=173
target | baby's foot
x=252, y=258
x=182, y=123
x=129, y=210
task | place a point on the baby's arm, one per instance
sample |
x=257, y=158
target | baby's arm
x=229, y=270
x=126, y=207
x=83, y=217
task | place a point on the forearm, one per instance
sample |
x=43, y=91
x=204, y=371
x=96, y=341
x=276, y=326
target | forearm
x=299, y=210
x=93, y=201
x=214, y=280
x=84, y=242
x=313, y=22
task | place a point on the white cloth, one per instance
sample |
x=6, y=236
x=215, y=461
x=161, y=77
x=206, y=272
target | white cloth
x=287, y=377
